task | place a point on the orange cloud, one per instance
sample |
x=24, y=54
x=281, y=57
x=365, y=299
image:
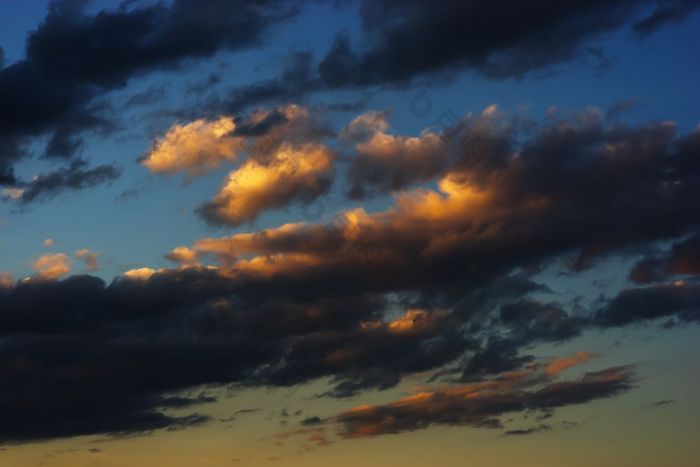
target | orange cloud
x=184, y=256
x=293, y=173
x=416, y=321
x=481, y=404
x=140, y=274
x=558, y=365
x=388, y=163
x=194, y=148
x=203, y=145
x=423, y=224
x=51, y=266
x=6, y=280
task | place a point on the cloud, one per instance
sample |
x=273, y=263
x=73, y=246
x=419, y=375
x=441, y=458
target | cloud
x=73, y=58
x=292, y=174
x=139, y=274
x=472, y=35
x=196, y=147
x=82, y=329
x=438, y=286
x=673, y=11
x=51, y=266
x=682, y=260
x=295, y=81
x=71, y=178
x=6, y=280
x=529, y=431
x=89, y=258
x=402, y=42
x=151, y=95
x=559, y=365
x=48, y=243
x=203, y=145
x=660, y=403
x=679, y=300
x=481, y=404
x=575, y=186
x=184, y=256
x=387, y=163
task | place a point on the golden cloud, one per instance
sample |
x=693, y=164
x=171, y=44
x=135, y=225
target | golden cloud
x=51, y=266
x=293, y=173
x=194, y=148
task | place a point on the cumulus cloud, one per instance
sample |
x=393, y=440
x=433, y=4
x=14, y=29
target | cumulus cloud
x=184, y=256
x=203, y=145
x=139, y=274
x=389, y=162
x=194, y=148
x=572, y=188
x=383, y=162
x=51, y=266
x=292, y=174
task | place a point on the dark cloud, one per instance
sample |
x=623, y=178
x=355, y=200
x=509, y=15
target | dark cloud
x=311, y=421
x=383, y=163
x=529, y=431
x=72, y=178
x=438, y=284
x=574, y=185
x=72, y=58
x=413, y=38
x=70, y=346
x=481, y=404
x=660, y=403
x=261, y=127
x=404, y=41
x=672, y=11
x=295, y=81
x=683, y=259
x=678, y=300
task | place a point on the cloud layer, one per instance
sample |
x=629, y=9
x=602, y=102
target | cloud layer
x=438, y=284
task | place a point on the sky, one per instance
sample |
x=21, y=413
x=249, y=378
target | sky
x=349, y=232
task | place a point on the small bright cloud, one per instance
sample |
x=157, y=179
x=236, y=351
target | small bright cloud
x=51, y=266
